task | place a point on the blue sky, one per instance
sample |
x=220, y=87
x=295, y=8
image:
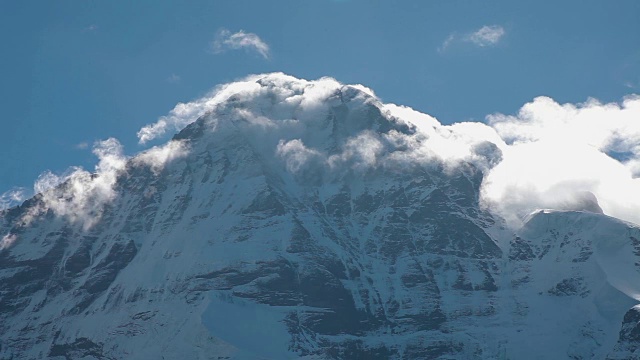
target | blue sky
x=74, y=72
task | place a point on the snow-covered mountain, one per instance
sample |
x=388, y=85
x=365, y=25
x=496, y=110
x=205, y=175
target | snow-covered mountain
x=298, y=219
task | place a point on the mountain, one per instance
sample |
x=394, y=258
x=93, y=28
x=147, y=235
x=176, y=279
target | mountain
x=306, y=219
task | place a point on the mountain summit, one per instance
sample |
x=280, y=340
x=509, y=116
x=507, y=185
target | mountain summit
x=307, y=219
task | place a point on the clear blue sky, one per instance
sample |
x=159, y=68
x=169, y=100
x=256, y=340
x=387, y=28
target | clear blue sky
x=74, y=72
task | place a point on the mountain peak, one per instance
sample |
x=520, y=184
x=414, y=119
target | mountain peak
x=280, y=106
x=279, y=96
x=346, y=227
x=323, y=126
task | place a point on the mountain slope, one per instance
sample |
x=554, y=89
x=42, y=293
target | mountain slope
x=307, y=219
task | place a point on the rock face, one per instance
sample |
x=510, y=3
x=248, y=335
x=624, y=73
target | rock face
x=251, y=246
x=628, y=346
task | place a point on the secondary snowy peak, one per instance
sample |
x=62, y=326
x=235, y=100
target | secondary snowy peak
x=587, y=261
x=579, y=235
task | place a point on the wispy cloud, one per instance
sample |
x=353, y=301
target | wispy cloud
x=486, y=36
x=92, y=27
x=12, y=198
x=80, y=196
x=447, y=42
x=174, y=79
x=225, y=40
x=629, y=85
x=158, y=156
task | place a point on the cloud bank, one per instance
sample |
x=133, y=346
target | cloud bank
x=225, y=40
x=557, y=151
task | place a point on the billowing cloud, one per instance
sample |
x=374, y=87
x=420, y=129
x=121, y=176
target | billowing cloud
x=48, y=180
x=158, y=156
x=243, y=90
x=225, y=40
x=486, y=36
x=558, y=152
x=80, y=195
x=296, y=155
x=549, y=155
x=185, y=113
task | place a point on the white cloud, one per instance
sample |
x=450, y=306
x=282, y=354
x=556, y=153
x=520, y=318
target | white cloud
x=12, y=198
x=558, y=152
x=158, y=156
x=296, y=155
x=360, y=151
x=609, y=128
x=486, y=35
x=294, y=126
x=48, y=180
x=79, y=195
x=244, y=90
x=7, y=241
x=185, y=113
x=225, y=40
